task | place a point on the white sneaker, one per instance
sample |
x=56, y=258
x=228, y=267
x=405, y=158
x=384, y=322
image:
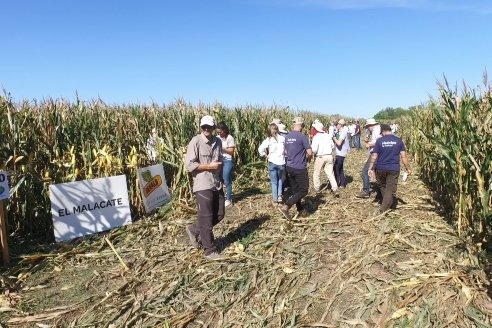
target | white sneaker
x=214, y=256
x=228, y=203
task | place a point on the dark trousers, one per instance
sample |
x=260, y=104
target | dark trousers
x=388, y=182
x=299, y=183
x=365, y=176
x=339, y=174
x=211, y=209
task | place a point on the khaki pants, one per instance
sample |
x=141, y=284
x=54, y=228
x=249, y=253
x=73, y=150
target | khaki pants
x=326, y=162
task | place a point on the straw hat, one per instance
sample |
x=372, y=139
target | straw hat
x=370, y=122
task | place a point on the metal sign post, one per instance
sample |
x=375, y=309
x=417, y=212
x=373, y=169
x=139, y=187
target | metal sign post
x=3, y=237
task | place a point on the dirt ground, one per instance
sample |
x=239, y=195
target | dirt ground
x=343, y=266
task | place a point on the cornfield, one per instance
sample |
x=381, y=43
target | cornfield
x=451, y=139
x=55, y=141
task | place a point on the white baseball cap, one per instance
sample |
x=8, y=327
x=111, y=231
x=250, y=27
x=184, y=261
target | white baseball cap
x=281, y=127
x=318, y=126
x=207, y=120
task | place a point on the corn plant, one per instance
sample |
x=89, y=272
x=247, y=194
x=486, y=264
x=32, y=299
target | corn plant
x=55, y=141
x=452, y=142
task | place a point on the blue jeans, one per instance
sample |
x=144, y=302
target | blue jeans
x=228, y=168
x=276, y=173
x=365, y=176
x=357, y=142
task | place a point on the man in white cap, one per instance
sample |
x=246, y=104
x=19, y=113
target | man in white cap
x=204, y=161
x=322, y=147
x=375, y=131
x=298, y=151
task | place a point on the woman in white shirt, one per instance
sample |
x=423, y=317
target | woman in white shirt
x=273, y=148
x=342, y=147
x=228, y=152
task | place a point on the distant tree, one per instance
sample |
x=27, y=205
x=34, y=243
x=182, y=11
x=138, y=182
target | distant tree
x=390, y=113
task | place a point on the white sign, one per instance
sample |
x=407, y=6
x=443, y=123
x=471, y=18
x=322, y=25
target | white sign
x=85, y=207
x=153, y=187
x=4, y=186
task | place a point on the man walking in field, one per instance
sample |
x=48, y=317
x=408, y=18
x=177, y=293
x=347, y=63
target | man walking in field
x=357, y=136
x=385, y=165
x=322, y=148
x=298, y=151
x=375, y=131
x=351, y=134
x=204, y=160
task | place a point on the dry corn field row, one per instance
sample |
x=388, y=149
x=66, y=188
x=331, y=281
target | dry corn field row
x=344, y=266
x=58, y=141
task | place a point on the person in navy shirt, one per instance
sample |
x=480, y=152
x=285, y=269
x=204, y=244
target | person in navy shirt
x=298, y=151
x=385, y=158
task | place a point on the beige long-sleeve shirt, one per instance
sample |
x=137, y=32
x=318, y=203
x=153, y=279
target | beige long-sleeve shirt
x=203, y=151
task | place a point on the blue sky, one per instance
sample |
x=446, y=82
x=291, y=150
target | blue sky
x=352, y=57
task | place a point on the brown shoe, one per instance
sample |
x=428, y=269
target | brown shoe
x=284, y=209
x=362, y=194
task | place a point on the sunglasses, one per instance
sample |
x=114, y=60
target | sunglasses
x=207, y=127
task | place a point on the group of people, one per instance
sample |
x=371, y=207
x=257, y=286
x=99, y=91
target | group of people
x=352, y=129
x=209, y=160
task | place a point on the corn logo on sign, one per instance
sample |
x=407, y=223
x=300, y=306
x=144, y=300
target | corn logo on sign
x=153, y=187
x=151, y=183
x=4, y=186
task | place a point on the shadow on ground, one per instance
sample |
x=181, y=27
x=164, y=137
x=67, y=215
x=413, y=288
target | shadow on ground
x=247, y=193
x=243, y=232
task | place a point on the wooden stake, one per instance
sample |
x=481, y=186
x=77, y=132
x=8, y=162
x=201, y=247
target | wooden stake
x=3, y=237
x=117, y=255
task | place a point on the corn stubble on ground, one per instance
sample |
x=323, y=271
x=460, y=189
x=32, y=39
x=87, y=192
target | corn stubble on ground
x=343, y=266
